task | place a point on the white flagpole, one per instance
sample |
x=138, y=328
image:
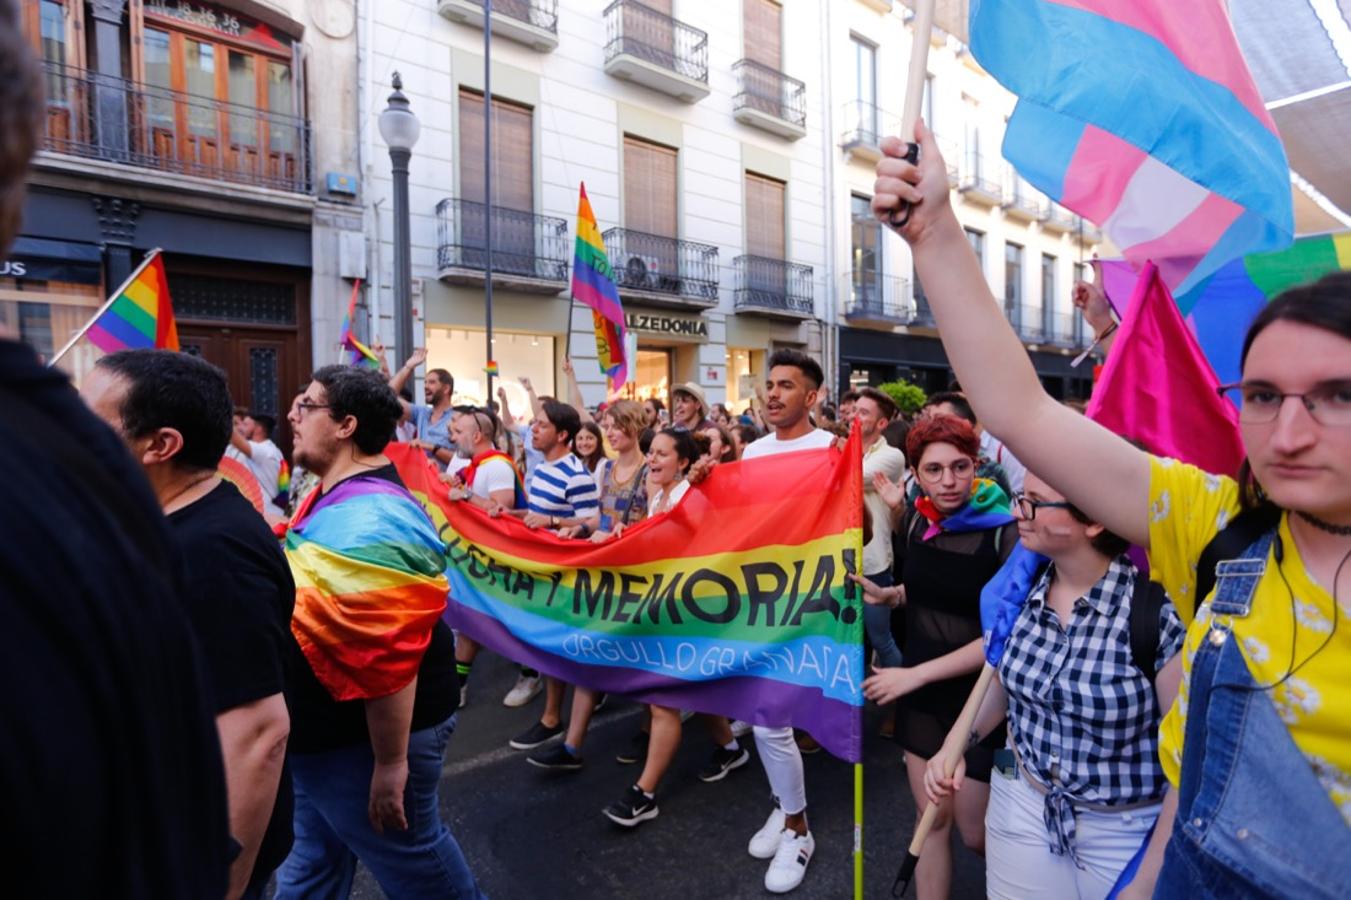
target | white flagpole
x=104, y=308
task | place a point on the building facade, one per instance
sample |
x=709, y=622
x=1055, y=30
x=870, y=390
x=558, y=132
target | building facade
x=222, y=134
x=1032, y=250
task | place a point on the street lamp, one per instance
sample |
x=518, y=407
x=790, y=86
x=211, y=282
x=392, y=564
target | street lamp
x=400, y=129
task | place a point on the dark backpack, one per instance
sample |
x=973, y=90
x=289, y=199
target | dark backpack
x=1230, y=542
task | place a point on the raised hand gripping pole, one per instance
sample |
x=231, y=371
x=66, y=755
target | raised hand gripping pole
x=914, y=94
x=963, y=727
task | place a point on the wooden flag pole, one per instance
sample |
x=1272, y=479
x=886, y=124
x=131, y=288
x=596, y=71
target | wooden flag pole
x=961, y=727
x=914, y=93
x=104, y=308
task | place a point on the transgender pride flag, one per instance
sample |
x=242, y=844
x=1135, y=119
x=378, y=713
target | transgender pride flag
x=1141, y=116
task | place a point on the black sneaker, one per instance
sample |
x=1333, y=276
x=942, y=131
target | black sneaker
x=632, y=809
x=536, y=734
x=636, y=751
x=558, y=758
x=724, y=761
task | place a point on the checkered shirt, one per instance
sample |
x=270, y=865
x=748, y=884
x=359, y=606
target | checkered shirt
x=1082, y=717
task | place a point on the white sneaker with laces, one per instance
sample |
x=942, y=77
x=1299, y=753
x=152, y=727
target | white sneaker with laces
x=525, y=689
x=766, y=841
x=740, y=728
x=790, y=861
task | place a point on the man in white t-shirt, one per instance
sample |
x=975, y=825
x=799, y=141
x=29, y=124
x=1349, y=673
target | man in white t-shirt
x=794, y=382
x=874, y=411
x=251, y=444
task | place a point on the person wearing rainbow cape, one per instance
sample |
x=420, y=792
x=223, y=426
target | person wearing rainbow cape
x=376, y=690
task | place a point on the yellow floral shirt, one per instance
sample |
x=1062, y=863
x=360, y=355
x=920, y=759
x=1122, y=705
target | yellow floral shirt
x=1187, y=507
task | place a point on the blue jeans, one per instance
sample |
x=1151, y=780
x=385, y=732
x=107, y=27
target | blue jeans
x=332, y=830
x=1252, y=818
x=877, y=623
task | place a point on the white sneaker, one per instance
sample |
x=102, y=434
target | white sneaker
x=790, y=861
x=525, y=689
x=741, y=729
x=765, y=842
x=464, y=695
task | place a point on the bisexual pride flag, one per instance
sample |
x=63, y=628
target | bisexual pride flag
x=734, y=603
x=593, y=284
x=1141, y=116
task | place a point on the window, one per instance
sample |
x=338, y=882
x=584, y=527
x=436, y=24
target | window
x=765, y=223
x=1013, y=283
x=513, y=187
x=866, y=254
x=762, y=34
x=1048, y=294
x=865, y=89
x=977, y=241
x=649, y=187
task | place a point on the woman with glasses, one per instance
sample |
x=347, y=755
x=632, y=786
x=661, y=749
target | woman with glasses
x=1083, y=696
x=1258, y=745
x=957, y=535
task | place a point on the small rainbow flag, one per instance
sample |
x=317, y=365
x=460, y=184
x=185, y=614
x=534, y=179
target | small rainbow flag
x=491, y=368
x=593, y=285
x=139, y=317
x=361, y=354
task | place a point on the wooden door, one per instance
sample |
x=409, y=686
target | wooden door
x=262, y=367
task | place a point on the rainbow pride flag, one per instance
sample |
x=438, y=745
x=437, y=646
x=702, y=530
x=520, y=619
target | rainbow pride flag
x=1219, y=309
x=1142, y=117
x=734, y=603
x=361, y=355
x=593, y=285
x=370, y=585
x=141, y=316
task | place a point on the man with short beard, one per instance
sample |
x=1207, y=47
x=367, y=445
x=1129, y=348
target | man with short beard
x=431, y=421
x=874, y=411
x=376, y=688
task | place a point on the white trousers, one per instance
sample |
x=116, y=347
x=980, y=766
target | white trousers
x=1018, y=860
x=783, y=767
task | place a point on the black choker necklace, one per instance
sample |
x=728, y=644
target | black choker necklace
x=1341, y=530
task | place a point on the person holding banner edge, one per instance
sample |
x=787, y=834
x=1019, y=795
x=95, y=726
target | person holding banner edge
x=1293, y=497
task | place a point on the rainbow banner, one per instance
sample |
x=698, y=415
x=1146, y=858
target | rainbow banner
x=139, y=317
x=1220, y=308
x=593, y=285
x=734, y=603
x=370, y=585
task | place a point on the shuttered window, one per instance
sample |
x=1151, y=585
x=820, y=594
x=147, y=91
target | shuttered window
x=513, y=152
x=649, y=188
x=765, y=223
x=762, y=36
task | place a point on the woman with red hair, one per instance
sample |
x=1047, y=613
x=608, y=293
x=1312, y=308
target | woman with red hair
x=956, y=537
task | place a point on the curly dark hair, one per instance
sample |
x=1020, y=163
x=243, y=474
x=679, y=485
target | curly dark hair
x=174, y=390
x=365, y=396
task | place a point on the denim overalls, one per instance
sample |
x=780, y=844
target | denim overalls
x=1252, y=818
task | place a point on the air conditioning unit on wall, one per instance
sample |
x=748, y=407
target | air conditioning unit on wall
x=642, y=271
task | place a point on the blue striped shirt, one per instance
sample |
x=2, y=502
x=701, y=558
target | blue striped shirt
x=564, y=488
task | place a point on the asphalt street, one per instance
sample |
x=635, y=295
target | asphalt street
x=529, y=833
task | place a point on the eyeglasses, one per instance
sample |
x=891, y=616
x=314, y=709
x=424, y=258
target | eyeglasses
x=305, y=406
x=1028, y=508
x=1328, y=403
x=933, y=472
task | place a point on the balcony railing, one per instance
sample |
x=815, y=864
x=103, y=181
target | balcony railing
x=115, y=120
x=771, y=93
x=1055, y=217
x=773, y=285
x=652, y=264
x=980, y=180
x=874, y=297
x=1019, y=201
x=865, y=124
x=533, y=22
x=1090, y=233
x=1040, y=325
x=524, y=245
x=652, y=36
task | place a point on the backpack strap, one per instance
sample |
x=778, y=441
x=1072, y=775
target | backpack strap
x=1230, y=542
x=1146, y=604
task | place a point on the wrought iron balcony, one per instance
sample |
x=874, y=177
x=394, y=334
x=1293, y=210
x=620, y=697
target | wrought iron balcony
x=770, y=100
x=1046, y=326
x=774, y=287
x=1020, y=202
x=1087, y=231
x=530, y=251
x=865, y=124
x=112, y=119
x=663, y=271
x=530, y=22
x=648, y=47
x=876, y=299
x=1056, y=218
x=979, y=181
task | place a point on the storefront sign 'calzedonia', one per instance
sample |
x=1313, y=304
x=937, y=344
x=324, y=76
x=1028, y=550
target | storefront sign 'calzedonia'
x=678, y=326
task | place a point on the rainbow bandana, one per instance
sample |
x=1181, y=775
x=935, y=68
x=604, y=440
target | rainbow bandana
x=370, y=584
x=469, y=471
x=987, y=508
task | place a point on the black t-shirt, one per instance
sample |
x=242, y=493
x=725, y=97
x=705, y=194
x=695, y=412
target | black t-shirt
x=109, y=760
x=239, y=600
x=320, y=723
